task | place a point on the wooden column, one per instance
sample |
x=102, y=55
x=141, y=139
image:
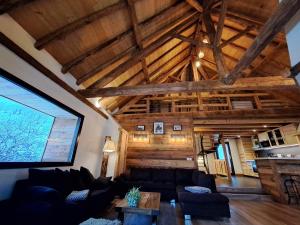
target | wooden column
x=226, y=158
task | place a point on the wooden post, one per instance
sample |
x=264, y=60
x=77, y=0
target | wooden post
x=226, y=158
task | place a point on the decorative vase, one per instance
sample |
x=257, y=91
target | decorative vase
x=132, y=202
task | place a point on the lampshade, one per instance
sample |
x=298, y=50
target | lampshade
x=109, y=145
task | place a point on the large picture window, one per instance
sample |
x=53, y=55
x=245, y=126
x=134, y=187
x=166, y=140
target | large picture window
x=35, y=129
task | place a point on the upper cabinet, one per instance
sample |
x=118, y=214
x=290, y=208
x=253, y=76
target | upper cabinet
x=280, y=136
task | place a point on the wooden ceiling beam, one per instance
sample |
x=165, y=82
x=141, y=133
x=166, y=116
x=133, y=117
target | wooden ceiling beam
x=192, y=41
x=9, y=5
x=286, y=10
x=248, y=121
x=138, y=37
x=218, y=116
x=130, y=50
x=236, y=37
x=140, y=54
x=127, y=35
x=239, y=126
x=215, y=37
x=77, y=24
x=195, y=4
x=257, y=83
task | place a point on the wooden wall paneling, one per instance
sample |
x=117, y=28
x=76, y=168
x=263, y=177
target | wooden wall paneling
x=173, y=149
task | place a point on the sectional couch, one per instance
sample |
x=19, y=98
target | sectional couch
x=171, y=184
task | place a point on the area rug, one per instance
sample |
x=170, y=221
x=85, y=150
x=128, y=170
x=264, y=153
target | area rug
x=93, y=221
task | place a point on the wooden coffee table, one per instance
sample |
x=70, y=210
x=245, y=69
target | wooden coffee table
x=144, y=214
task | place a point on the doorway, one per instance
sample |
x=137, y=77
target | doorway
x=220, y=156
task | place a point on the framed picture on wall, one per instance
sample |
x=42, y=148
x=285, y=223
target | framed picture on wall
x=140, y=127
x=158, y=127
x=177, y=127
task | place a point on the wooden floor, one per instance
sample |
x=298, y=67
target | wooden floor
x=242, y=213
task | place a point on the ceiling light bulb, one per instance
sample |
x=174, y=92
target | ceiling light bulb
x=265, y=126
x=97, y=104
x=205, y=41
x=239, y=136
x=201, y=54
x=254, y=130
x=197, y=63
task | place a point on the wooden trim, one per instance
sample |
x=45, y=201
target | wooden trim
x=286, y=10
x=257, y=83
x=4, y=40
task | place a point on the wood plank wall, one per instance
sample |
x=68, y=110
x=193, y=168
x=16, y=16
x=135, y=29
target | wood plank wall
x=170, y=150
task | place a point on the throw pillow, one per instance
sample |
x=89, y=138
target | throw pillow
x=78, y=195
x=86, y=177
x=77, y=182
x=197, y=189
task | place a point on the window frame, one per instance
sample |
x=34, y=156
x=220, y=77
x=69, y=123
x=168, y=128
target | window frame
x=22, y=84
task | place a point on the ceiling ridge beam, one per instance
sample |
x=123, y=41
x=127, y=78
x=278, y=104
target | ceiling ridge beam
x=145, y=52
x=257, y=83
x=286, y=10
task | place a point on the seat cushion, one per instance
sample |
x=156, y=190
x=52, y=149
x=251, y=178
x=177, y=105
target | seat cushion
x=163, y=175
x=216, y=198
x=137, y=174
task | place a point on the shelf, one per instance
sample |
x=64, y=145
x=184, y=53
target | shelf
x=275, y=147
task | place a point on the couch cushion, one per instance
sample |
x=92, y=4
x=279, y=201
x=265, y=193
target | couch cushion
x=163, y=175
x=42, y=177
x=86, y=177
x=75, y=196
x=78, y=184
x=137, y=174
x=159, y=186
x=216, y=198
x=184, y=177
x=204, y=180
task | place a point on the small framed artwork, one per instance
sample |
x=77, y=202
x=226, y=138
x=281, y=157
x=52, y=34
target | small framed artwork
x=158, y=127
x=140, y=127
x=177, y=127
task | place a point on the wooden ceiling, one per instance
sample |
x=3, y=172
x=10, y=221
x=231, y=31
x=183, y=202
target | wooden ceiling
x=107, y=44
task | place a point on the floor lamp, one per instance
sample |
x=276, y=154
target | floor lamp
x=108, y=148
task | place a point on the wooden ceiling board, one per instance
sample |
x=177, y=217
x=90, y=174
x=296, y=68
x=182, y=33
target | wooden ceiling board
x=101, y=57
x=145, y=9
x=256, y=9
x=89, y=36
x=51, y=15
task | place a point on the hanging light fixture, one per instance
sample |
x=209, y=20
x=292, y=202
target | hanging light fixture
x=197, y=63
x=201, y=54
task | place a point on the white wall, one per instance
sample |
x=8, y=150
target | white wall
x=235, y=156
x=95, y=127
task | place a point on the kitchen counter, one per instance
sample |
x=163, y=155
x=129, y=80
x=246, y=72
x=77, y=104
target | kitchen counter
x=274, y=171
